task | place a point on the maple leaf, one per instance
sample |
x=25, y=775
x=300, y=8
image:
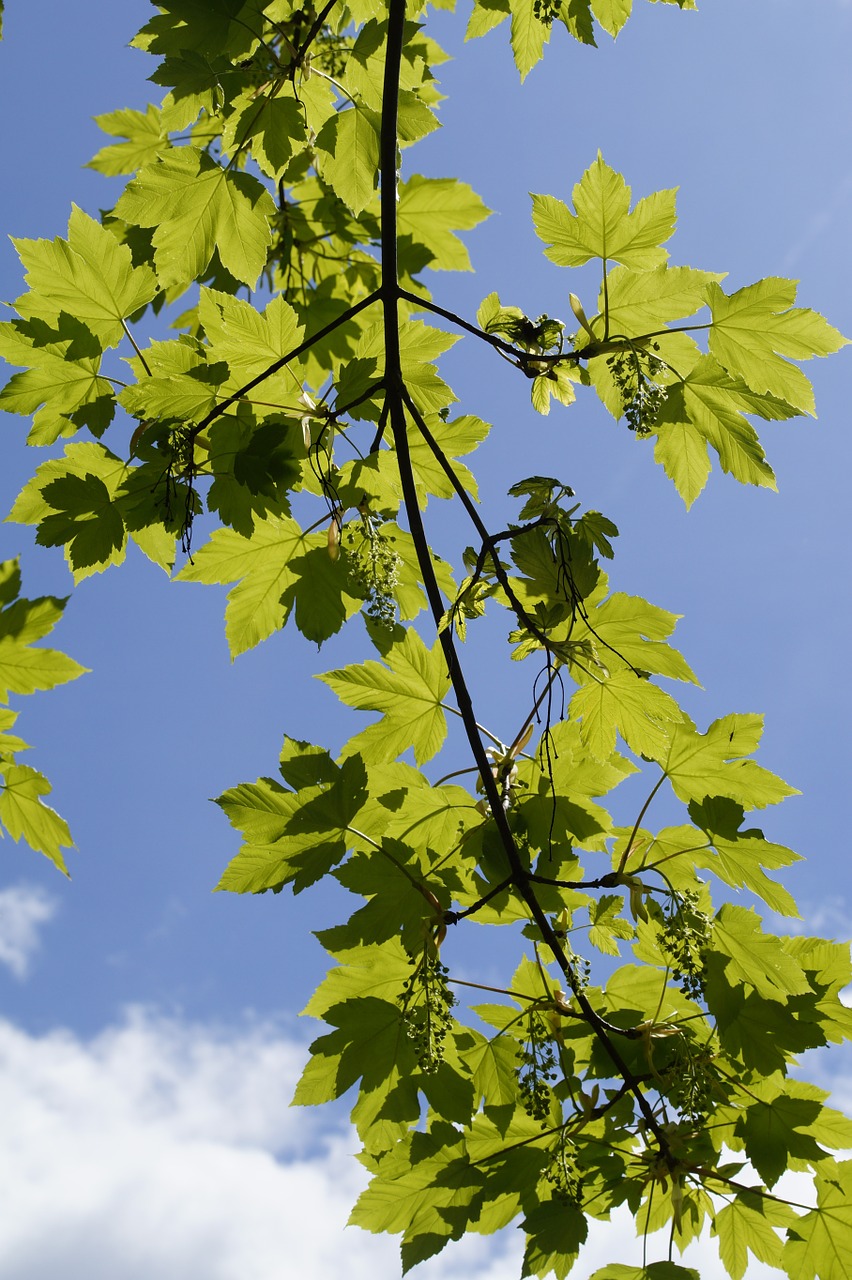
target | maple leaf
x=820, y=1244
x=409, y=690
x=89, y=275
x=757, y=331
x=713, y=764
x=196, y=207
x=603, y=225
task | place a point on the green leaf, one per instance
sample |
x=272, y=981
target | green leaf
x=76, y=502
x=558, y=384
x=712, y=764
x=757, y=332
x=607, y=924
x=820, y=1245
x=353, y=171
x=485, y=16
x=146, y=136
x=180, y=397
x=746, y=1224
x=761, y=1033
x=274, y=129
x=292, y=837
x=207, y=26
x=612, y=14
x=414, y=119
x=640, y=302
x=555, y=1232
x=603, y=226
x=24, y=669
x=196, y=207
x=642, y=713
x=90, y=275
x=741, y=855
x=370, y=1043
x=255, y=607
x=83, y=519
x=559, y=807
x=248, y=341
x=23, y=812
x=61, y=392
x=754, y=958
x=431, y=210
x=420, y=346
x=408, y=690
x=631, y=632
x=378, y=971
x=415, y=1192
x=707, y=407
x=455, y=438
x=493, y=1064
x=529, y=35
x=681, y=451
x=785, y=1123
x=279, y=567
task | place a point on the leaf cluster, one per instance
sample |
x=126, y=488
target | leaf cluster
x=638, y=1050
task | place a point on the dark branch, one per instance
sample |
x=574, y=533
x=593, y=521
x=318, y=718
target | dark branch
x=316, y=27
x=490, y=338
x=453, y=917
x=219, y=409
x=398, y=399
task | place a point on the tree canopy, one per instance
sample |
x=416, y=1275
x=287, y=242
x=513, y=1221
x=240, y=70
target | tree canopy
x=638, y=1050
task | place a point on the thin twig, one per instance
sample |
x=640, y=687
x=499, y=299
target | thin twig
x=305, y=345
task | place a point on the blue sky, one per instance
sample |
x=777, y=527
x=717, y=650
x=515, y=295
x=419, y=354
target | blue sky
x=149, y=1042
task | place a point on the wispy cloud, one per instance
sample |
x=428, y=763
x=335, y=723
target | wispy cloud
x=824, y=220
x=160, y=1148
x=24, y=908
x=827, y=919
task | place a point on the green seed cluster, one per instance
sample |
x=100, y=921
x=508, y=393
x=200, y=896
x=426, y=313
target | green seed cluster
x=546, y=10
x=373, y=567
x=684, y=938
x=582, y=971
x=426, y=1002
x=537, y=1066
x=691, y=1087
x=634, y=374
x=564, y=1174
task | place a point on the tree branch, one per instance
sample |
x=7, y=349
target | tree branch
x=397, y=399
x=316, y=27
x=347, y=315
x=490, y=338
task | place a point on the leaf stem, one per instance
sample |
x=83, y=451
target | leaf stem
x=622, y=862
x=456, y=773
x=135, y=346
x=455, y=711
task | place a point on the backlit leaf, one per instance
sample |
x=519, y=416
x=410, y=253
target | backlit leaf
x=196, y=207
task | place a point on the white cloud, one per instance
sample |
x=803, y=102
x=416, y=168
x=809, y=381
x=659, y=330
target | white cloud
x=165, y=1149
x=161, y=1148
x=24, y=908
